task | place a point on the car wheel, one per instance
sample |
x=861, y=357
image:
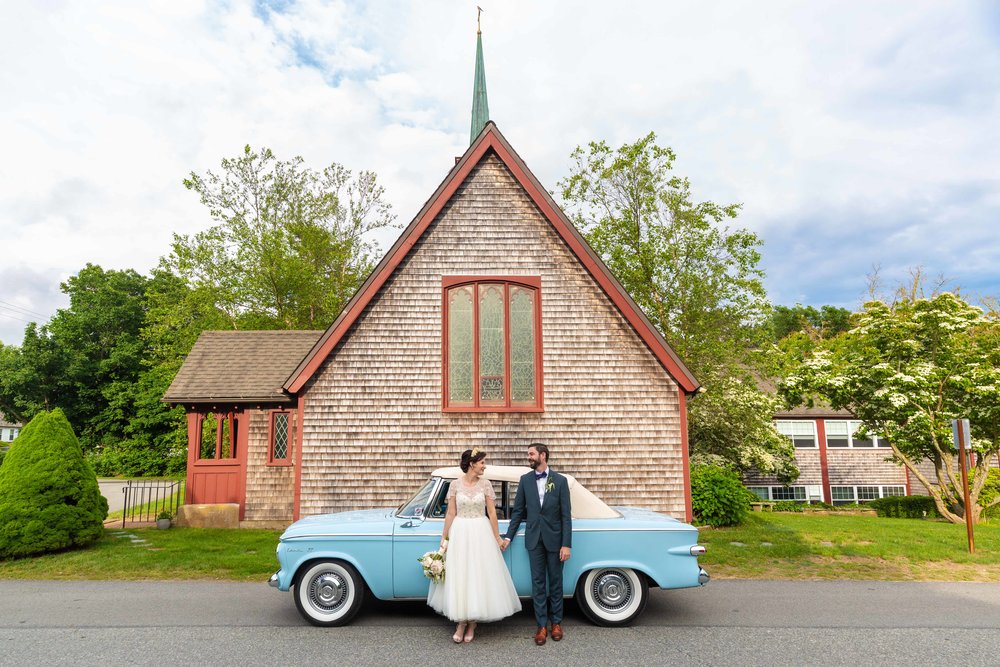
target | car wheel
x=612, y=596
x=329, y=593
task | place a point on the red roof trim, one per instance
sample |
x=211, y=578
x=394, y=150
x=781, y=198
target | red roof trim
x=490, y=139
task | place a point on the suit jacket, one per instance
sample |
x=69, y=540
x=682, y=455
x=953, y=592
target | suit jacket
x=550, y=523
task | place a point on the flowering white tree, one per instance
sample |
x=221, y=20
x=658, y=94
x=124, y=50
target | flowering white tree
x=732, y=425
x=906, y=370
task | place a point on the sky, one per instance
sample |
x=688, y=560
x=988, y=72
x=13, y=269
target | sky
x=858, y=136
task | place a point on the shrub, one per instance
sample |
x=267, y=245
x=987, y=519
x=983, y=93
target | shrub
x=49, y=497
x=718, y=497
x=991, y=489
x=787, y=506
x=904, y=507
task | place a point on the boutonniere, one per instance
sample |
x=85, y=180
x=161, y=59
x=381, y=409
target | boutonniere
x=551, y=486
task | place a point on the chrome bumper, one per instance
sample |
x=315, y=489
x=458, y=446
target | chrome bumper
x=273, y=581
x=703, y=576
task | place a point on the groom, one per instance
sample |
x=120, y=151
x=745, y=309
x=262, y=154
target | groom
x=543, y=499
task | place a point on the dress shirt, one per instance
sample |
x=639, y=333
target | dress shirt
x=540, y=483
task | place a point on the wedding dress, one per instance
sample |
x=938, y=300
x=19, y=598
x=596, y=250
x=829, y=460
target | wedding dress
x=477, y=585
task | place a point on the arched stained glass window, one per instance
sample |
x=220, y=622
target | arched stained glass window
x=492, y=344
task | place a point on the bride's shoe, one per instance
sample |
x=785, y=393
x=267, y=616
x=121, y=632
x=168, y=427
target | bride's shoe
x=459, y=633
x=470, y=633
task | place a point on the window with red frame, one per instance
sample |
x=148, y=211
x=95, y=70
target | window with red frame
x=492, y=344
x=280, y=447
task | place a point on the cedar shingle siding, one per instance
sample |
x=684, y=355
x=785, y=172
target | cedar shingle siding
x=373, y=426
x=270, y=489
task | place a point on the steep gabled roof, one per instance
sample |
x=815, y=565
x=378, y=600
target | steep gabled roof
x=491, y=141
x=240, y=366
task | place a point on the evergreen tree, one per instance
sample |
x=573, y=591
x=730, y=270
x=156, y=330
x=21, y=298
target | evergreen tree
x=49, y=497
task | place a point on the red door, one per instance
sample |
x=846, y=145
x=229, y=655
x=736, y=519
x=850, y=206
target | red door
x=217, y=458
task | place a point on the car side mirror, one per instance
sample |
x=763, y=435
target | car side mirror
x=413, y=523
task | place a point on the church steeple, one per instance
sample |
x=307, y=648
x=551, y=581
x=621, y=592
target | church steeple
x=480, y=106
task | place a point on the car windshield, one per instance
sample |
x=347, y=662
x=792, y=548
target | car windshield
x=418, y=503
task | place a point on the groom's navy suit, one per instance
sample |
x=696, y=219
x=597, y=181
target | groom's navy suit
x=549, y=527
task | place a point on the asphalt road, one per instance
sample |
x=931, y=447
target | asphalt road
x=727, y=622
x=112, y=489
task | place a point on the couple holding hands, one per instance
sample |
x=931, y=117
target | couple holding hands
x=477, y=586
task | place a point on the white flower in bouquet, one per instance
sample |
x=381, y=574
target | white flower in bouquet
x=433, y=564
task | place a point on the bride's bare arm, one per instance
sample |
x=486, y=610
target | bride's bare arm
x=449, y=516
x=491, y=511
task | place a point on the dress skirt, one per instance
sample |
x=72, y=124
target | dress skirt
x=477, y=585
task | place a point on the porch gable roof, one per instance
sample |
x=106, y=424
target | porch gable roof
x=490, y=140
x=239, y=367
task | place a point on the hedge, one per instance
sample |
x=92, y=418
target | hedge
x=904, y=507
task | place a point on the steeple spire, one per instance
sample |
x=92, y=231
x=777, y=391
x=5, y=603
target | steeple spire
x=480, y=106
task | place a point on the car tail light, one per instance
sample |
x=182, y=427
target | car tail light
x=697, y=550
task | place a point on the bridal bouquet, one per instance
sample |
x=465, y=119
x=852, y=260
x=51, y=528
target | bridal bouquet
x=433, y=564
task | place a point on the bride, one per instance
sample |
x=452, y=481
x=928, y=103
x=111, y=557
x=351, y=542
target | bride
x=477, y=586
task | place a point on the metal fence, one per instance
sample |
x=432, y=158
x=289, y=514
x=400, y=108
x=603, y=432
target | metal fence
x=145, y=498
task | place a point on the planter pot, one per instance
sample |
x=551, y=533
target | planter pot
x=163, y=524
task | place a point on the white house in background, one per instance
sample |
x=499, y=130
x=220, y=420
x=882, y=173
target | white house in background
x=8, y=431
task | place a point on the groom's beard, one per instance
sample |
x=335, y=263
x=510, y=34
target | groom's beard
x=534, y=464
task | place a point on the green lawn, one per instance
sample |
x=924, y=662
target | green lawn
x=177, y=553
x=842, y=546
x=774, y=546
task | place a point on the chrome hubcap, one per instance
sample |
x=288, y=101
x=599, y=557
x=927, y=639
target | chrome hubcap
x=328, y=591
x=612, y=590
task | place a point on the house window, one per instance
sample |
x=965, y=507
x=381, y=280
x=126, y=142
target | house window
x=843, y=495
x=218, y=436
x=797, y=493
x=801, y=433
x=843, y=433
x=492, y=359
x=281, y=438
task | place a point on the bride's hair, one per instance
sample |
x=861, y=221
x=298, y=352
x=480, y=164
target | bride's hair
x=470, y=456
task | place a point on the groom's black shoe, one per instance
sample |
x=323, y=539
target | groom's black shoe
x=540, y=636
x=557, y=632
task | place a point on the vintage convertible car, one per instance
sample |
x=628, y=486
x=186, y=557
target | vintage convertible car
x=618, y=553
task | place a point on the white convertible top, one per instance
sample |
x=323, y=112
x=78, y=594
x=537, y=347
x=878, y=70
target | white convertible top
x=585, y=504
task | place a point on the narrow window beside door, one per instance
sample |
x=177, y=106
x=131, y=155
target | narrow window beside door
x=281, y=429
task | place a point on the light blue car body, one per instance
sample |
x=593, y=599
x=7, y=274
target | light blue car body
x=383, y=545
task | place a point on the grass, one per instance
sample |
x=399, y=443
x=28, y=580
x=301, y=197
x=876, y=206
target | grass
x=836, y=546
x=177, y=553
x=775, y=545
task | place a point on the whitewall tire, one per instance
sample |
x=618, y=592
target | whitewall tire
x=329, y=593
x=612, y=596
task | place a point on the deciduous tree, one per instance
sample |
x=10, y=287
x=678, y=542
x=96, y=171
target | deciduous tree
x=696, y=278
x=906, y=369
x=289, y=246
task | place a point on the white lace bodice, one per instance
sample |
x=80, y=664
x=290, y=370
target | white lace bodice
x=471, y=500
